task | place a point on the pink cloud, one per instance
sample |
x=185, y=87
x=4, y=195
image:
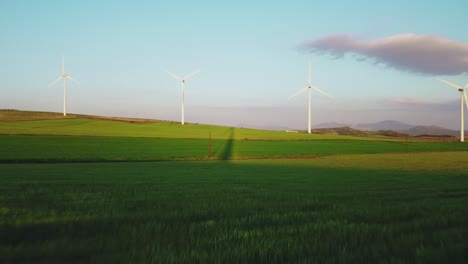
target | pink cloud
x=427, y=54
x=408, y=101
x=412, y=104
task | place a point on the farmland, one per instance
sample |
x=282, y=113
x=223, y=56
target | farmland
x=131, y=192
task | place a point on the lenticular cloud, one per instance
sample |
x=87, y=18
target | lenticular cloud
x=426, y=54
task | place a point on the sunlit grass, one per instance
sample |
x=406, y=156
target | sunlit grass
x=449, y=162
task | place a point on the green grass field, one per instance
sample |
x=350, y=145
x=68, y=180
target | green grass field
x=79, y=148
x=66, y=197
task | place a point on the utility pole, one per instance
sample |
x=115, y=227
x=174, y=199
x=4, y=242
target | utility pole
x=209, y=144
x=406, y=143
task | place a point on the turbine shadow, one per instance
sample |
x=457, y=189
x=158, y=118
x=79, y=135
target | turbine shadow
x=228, y=148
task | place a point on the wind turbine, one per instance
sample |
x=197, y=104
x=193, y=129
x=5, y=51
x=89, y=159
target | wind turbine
x=309, y=87
x=462, y=97
x=63, y=77
x=182, y=81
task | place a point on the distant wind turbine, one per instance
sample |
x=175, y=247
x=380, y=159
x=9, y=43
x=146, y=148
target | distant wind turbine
x=308, y=88
x=63, y=76
x=463, y=97
x=182, y=81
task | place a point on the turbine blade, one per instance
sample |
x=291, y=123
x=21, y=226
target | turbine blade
x=298, y=93
x=191, y=74
x=56, y=81
x=310, y=75
x=451, y=84
x=70, y=78
x=63, y=65
x=172, y=75
x=322, y=92
x=466, y=99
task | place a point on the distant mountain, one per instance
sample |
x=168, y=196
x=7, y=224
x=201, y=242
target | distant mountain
x=384, y=125
x=390, y=128
x=395, y=127
x=430, y=130
x=340, y=131
x=391, y=133
x=274, y=128
x=329, y=125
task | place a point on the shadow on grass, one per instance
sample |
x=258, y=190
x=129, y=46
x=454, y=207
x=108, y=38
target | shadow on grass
x=228, y=148
x=224, y=149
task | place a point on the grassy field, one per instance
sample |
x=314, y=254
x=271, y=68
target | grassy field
x=236, y=211
x=263, y=197
x=78, y=148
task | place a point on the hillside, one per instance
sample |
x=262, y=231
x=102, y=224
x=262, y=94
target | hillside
x=391, y=133
x=13, y=122
x=17, y=115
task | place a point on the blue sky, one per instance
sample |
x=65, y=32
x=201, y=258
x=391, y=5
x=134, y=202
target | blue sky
x=248, y=52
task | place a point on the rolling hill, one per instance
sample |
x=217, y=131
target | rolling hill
x=14, y=122
x=50, y=123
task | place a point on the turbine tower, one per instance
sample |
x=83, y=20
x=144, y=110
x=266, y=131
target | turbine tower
x=63, y=76
x=182, y=82
x=309, y=87
x=463, y=97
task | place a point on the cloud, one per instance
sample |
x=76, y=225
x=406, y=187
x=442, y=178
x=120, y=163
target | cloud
x=414, y=104
x=408, y=101
x=426, y=54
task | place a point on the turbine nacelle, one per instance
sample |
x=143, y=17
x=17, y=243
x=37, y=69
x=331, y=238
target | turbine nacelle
x=460, y=89
x=182, y=79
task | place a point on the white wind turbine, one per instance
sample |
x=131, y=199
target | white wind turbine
x=308, y=88
x=63, y=76
x=182, y=81
x=463, y=97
